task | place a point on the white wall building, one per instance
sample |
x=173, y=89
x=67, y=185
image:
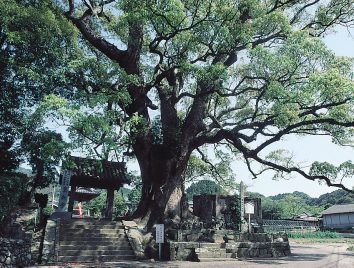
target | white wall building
x=339, y=216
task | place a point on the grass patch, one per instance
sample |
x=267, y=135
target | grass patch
x=351, y=248
x=315, y=235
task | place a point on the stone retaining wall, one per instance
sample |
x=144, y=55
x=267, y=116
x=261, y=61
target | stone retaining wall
x=239, y=246
x=15, y=252
x=259, y=249
x=49, y=254
x=135, y=238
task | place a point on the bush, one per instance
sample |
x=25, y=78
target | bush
x=47, y=211
x=318, y=235
x=12, y=186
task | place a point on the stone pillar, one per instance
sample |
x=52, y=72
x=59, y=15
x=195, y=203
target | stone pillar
x=243, y=224
x=109, y=204
x=71, y=198
x=64, y=190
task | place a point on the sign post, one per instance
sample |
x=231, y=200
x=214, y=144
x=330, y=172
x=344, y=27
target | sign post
x=249, y=209
x=160, y=236
x=242, y=206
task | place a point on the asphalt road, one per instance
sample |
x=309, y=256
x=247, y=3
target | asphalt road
x=303, y=256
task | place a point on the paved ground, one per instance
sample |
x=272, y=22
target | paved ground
x=303, y=256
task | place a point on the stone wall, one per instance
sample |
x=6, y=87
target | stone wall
x=135, y=238
x=15, y=252
x=238, y=246
x=49, y=254
x=183, y=251
x=259, y=249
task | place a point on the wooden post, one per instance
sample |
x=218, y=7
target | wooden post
x=109, y=204
x=71, y=198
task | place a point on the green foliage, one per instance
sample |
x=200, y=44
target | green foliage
x=315, y=235
x=204, y=187
x=290, y=205
x=219, y=172
x=235, y=212
x=12, y=186
x=48, y=210
x=43, y=150
x=34, y=50
x=333, y=198
x=125, y=202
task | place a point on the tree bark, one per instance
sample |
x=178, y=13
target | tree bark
x=163, y=186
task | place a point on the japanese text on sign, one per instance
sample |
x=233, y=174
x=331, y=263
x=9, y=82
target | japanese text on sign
x=160, y=233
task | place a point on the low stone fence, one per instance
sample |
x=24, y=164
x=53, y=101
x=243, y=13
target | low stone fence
x=259, y=249
x=15, y=252
x=236, y=246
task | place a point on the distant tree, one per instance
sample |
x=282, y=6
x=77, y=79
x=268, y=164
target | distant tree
x=97, y=205
x=289, y=205
x=305, y=198
x=43, y=149
x=12, y=187
x=271, y=209
x=336, y=197
x=204, y=187
x=255, y=195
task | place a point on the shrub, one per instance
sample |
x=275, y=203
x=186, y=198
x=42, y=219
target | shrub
x=318, y=235
x=12, y=186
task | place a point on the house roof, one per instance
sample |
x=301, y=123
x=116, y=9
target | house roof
x=337, y=209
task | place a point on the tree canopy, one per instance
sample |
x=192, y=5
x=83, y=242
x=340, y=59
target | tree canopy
x=163, y=80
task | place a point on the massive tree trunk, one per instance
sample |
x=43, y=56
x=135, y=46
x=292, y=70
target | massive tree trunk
x=163, y=185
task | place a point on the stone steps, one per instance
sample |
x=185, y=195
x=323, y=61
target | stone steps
x=90, y=258
x=83, y=224
x=76, y=243
x=215, y=259
x=92, y=237
x=118, y=246
x=84, y=240
x=91, y=227
x=216, y=255
x=90, y=231
x=210, y=245
x=211, y=251
x=93, y=241
x=94, y=252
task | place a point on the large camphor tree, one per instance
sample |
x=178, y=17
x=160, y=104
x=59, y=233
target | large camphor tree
x=161, y=80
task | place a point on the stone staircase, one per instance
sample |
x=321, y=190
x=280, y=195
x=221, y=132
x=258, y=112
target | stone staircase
x=93, y=241
x=214, y=251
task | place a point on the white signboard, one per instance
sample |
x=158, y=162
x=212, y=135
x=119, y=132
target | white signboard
x=249, y=208
x=160, y=233
x=63, y=198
